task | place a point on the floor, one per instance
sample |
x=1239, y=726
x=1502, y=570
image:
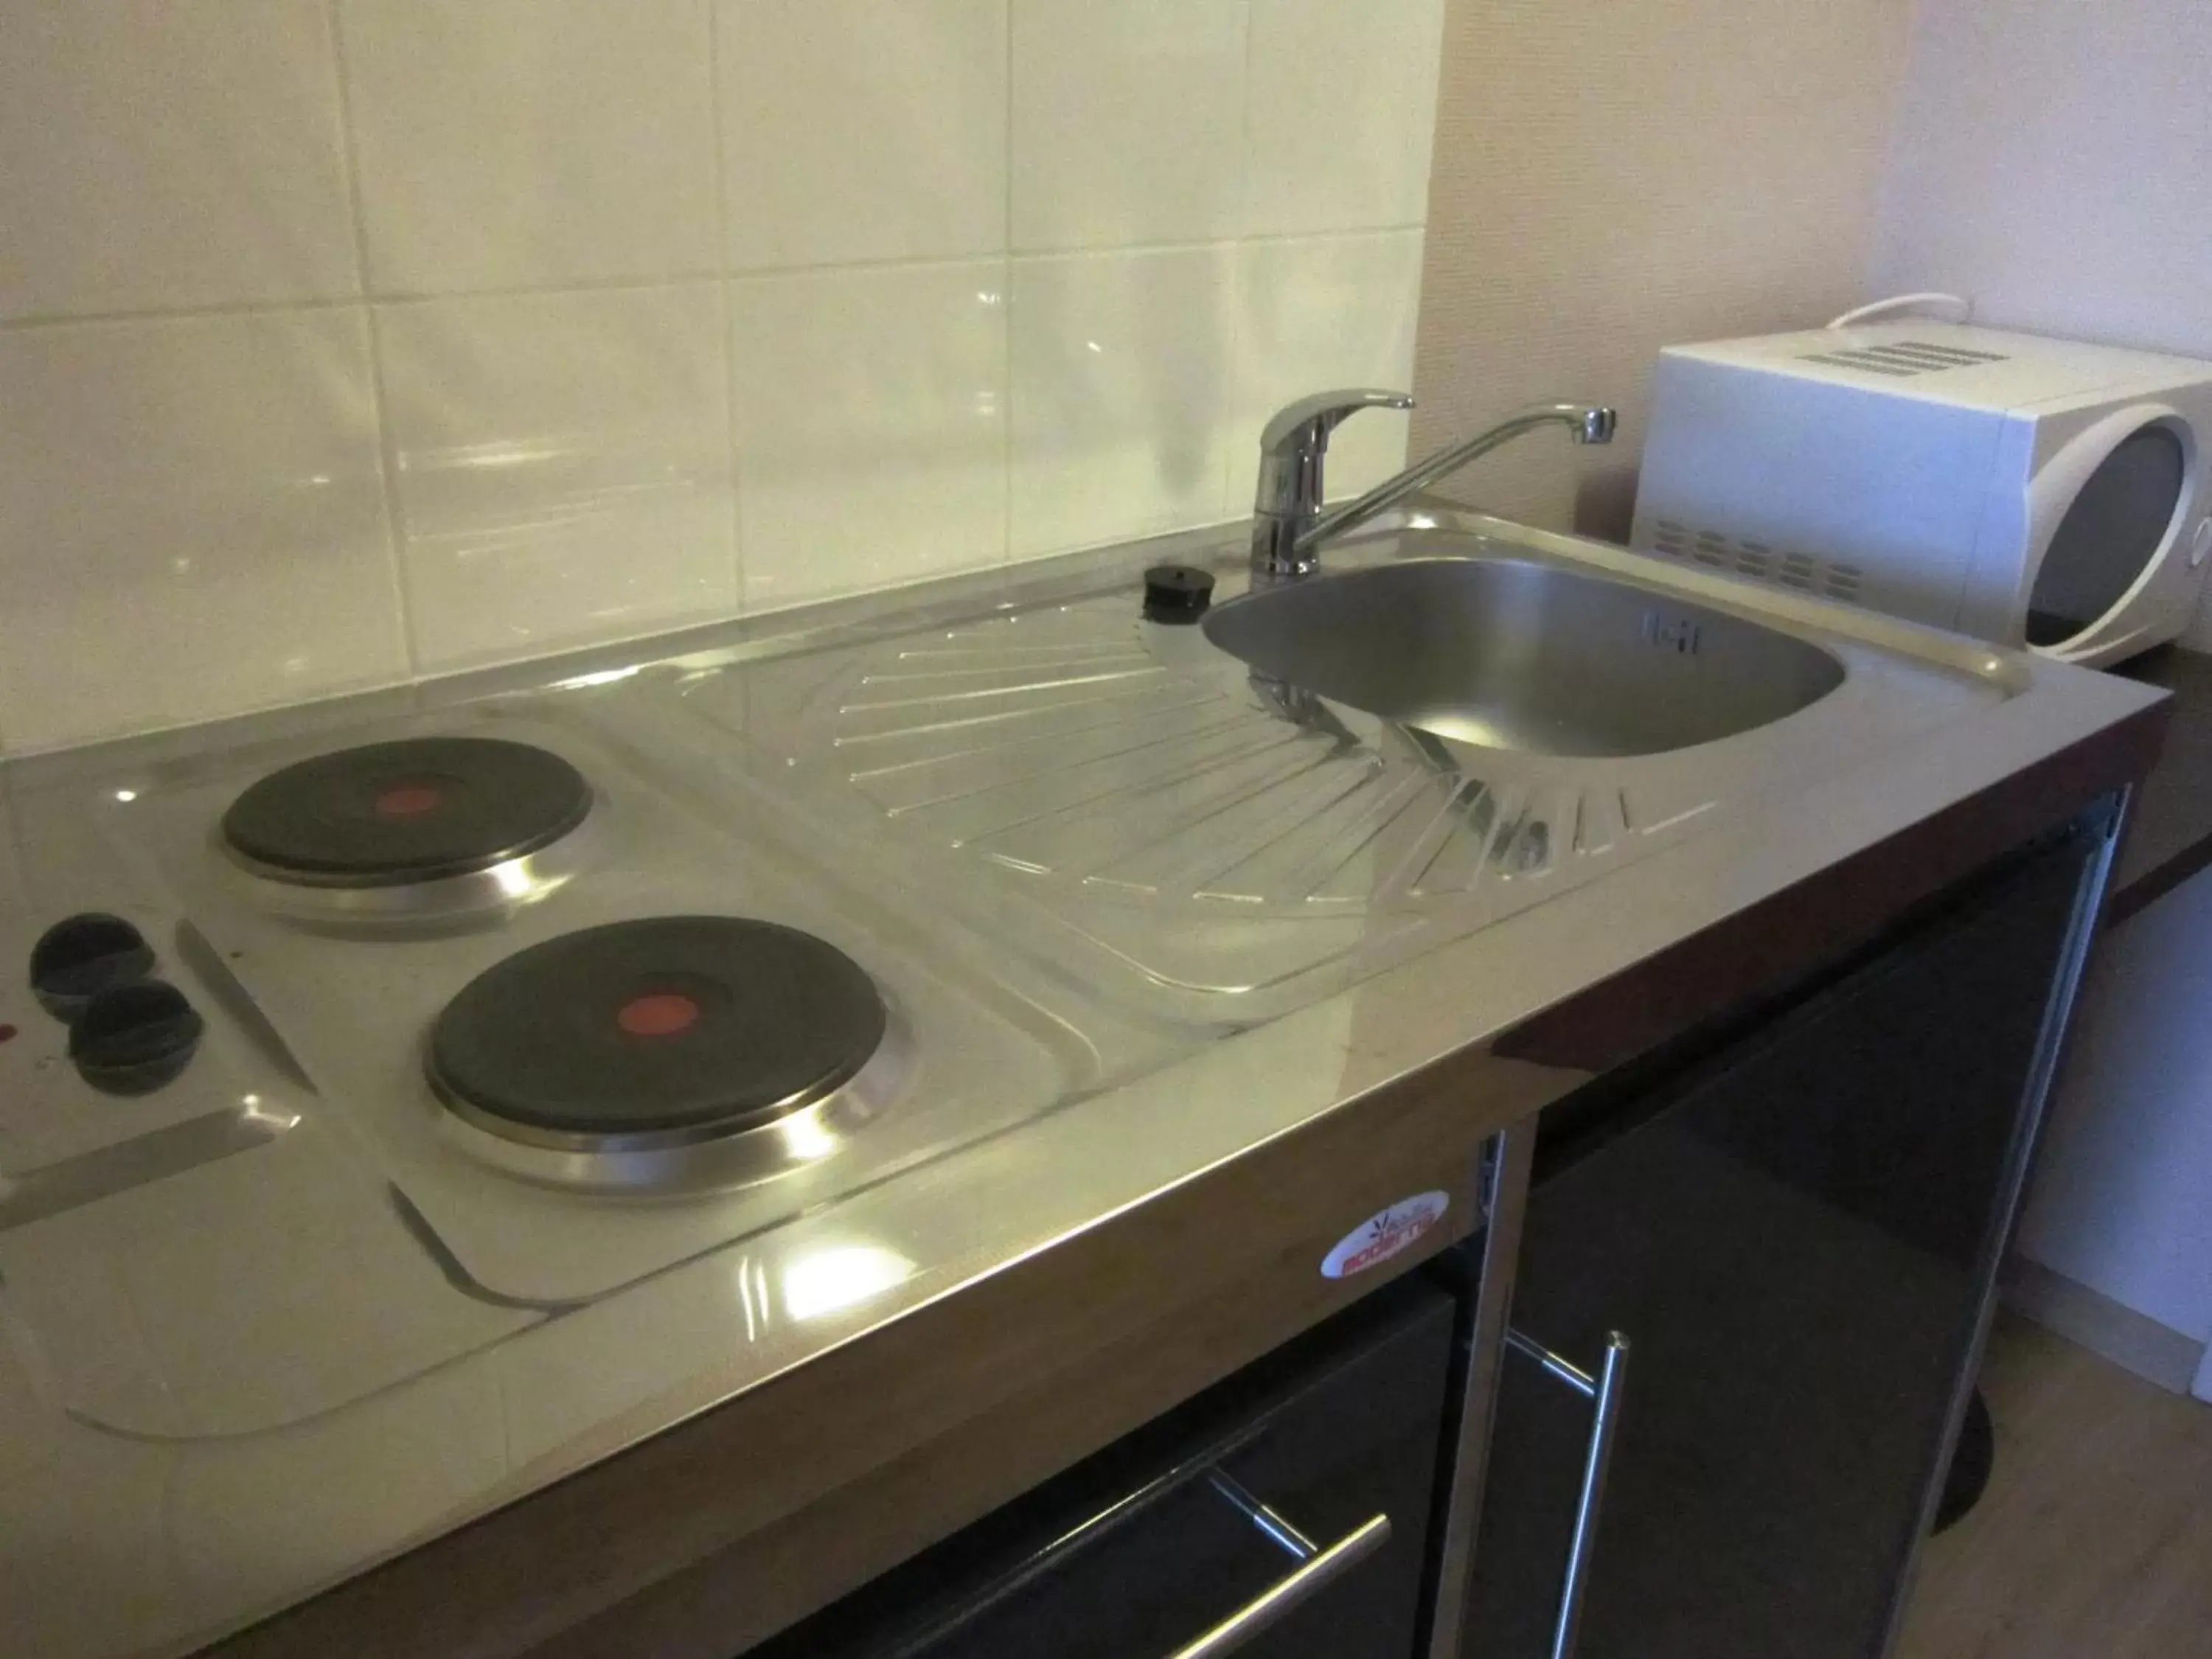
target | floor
x=2094, y=1539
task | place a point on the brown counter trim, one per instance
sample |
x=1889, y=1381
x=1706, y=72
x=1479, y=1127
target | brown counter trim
x=1760, y=951
x=2170, y=837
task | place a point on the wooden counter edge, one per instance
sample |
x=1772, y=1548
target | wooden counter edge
x=2171, y=837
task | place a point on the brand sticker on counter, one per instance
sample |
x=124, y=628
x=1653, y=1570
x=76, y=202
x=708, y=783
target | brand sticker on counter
x=1384, y=1234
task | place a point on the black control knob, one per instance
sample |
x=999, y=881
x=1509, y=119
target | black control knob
x=1176, y=592
x=77, y=959
x=132, y=1039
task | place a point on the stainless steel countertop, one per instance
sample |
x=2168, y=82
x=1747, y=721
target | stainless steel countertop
x=112, y=1546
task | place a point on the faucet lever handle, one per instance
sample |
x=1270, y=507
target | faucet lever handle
x=1289, y=494
x=1304, y=426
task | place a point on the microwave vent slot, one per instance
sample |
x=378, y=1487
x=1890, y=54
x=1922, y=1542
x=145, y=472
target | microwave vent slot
x=1799, y=572
x=1904, y=359
x=1858, y=360
x=1955, y=354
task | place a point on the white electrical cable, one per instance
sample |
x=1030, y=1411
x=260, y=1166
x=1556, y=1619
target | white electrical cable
x=1880, y=308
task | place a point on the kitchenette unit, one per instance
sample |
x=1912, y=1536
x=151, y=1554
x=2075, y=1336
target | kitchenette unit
x=784, y=874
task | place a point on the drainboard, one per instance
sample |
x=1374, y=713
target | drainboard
x=1129, y=800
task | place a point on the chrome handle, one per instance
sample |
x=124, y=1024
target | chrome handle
x=1318, y=1568
x=1604, y=1392
x=1288, y=496
x=1309, y=421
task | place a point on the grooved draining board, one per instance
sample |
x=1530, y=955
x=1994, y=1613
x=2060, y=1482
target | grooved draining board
x=1125, y=799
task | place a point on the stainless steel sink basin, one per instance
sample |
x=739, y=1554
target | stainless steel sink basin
x=1514, y=655
x=1224, y=821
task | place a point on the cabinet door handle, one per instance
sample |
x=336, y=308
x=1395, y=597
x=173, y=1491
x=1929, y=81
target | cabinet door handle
x=1604, y=1392
x=1317, y=1569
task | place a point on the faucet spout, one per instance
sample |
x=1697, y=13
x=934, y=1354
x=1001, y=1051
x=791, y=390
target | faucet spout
x=1289, y=528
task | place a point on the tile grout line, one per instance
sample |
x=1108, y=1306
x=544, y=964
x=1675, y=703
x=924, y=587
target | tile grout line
x=1236, y=264
x=387, y=447
x=726, y=311
x=370, y=300
x=1006, y=558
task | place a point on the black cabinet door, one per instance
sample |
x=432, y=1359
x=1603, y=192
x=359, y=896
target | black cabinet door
x=1146, y=1548
x=1796, y=1239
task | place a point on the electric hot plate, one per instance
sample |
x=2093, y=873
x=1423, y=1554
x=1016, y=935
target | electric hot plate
x=662, y=1041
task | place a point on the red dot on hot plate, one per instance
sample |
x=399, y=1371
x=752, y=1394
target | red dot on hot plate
x=6, y=1032
x=408, y=800
x=657, y=1014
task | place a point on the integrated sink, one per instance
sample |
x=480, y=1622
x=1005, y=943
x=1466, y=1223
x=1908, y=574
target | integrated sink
x=1513, y=654
x=1453, y=721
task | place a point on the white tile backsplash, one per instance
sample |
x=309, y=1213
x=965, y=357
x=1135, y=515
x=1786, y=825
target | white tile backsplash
x=193, y=524
x=640, y=313
x=862, y=129
x=1316, y=312
x=1128, y=121
x=871, y=410
x=1344, y=105
x=511, y=143
x=1124, y=388
x=563, y=471
x=155, y=156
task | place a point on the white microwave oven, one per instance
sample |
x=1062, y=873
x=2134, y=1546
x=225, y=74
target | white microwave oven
x=2034, y=492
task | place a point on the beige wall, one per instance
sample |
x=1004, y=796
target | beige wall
x=1612, y=176
x=2054, y=161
